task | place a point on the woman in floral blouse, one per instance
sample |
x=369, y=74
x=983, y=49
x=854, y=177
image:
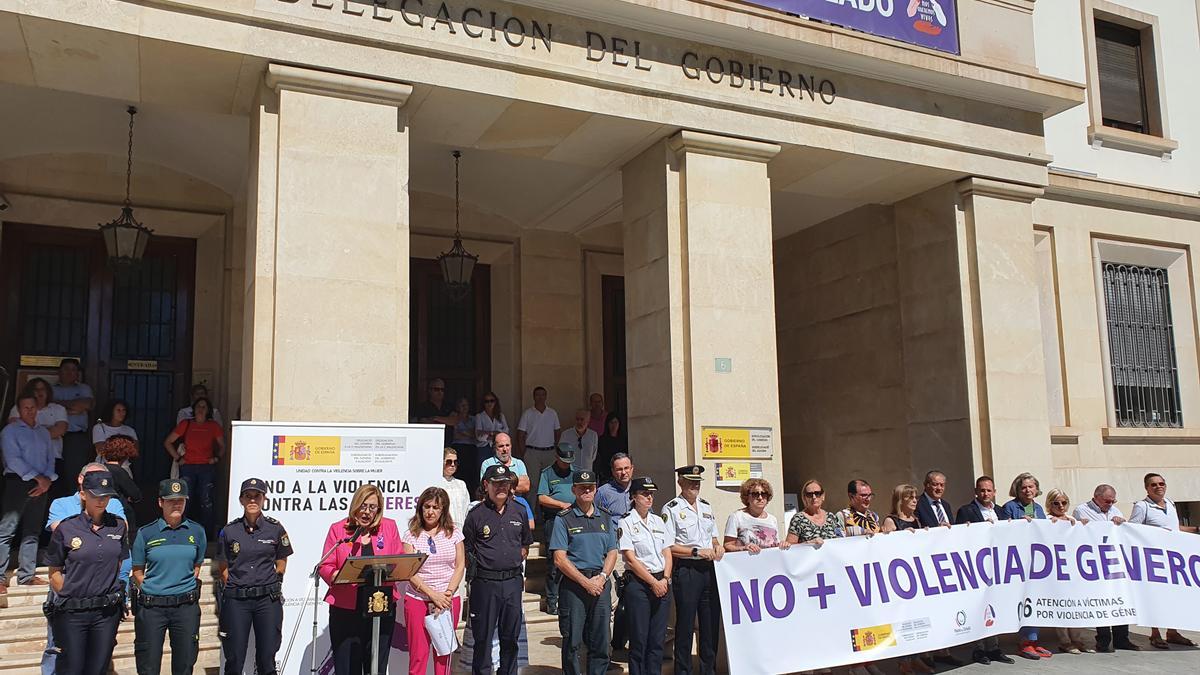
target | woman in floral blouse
x=813, y=525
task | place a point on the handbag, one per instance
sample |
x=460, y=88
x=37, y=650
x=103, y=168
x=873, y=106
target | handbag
x=442, y=635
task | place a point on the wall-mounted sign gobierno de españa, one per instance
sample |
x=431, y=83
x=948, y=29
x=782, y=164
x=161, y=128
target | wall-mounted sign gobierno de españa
x=928, y=23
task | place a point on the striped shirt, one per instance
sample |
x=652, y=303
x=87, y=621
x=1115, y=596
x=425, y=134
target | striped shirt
x=439, y=566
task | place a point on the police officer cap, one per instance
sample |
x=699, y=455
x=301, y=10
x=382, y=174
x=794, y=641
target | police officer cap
x=691, y=472
x=583, y=477
x=642, y=484
x=565, y=451
x=499, y=472
x=172, y=488
x=253, y=485
x=99, y=484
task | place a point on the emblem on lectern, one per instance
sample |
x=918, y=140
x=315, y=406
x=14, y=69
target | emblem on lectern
x=378, y=603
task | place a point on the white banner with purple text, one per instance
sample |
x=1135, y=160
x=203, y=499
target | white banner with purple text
x=867, y=598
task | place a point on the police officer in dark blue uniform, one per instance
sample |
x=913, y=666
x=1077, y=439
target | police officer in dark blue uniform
x=584, y=546
x=85, y=557
x=253, y=556
x=497, y=538
x=167, y=554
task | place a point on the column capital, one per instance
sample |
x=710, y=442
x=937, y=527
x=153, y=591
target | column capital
x=988, y=187
x=687, y=141
x=281, y=76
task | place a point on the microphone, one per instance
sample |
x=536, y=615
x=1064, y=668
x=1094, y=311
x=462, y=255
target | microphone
x=357, y=533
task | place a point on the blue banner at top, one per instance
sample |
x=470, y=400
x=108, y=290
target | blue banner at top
x=928, y=23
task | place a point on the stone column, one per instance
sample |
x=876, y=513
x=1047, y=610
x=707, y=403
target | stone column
x=1004, y=331
x=326, y=333
x=699, y=286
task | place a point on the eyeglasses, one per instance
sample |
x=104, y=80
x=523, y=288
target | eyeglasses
x=489, y=400
x=758, y=494
x=1063, y=504
x=867, y=496
x=451, y=462
x=1158, y=485
x=369, y=508
x=814, y=494
x=432, y=547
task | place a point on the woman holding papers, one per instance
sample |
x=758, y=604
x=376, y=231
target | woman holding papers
x=363, y=532
x=433, y=590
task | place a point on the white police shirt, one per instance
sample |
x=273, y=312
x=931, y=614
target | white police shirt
x=646, y=538
x=688, y=526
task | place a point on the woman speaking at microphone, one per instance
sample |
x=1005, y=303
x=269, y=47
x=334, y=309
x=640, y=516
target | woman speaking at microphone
x=364, y=532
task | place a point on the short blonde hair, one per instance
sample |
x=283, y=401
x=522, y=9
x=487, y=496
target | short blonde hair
x=1055, y=493
x=751, y=483
x=1015, y=489
x=900, y=493
x=361, y=495
x=446, y=452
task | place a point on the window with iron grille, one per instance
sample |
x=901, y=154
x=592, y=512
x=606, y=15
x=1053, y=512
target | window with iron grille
x=1141, y=344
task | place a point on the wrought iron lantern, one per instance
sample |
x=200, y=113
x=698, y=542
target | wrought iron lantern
x=457, y=264
x=124, y=237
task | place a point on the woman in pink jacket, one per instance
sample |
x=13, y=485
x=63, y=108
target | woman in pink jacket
x=363, y=532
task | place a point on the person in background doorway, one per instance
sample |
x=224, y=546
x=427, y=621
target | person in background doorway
x=202, y=449
x=78, y=399
x=1158, y=511
x=52, y=417
x=612, y=441
x=28, y=474
x=488, y=424
x=538, y=434
x=199, y=391
x=436, y=409
x=112, y=423
x=585, y=440
x=598, y=414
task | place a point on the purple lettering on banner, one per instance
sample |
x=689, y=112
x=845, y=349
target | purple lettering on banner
x=939, y=566
x=1060, y=563
x=1087, y=566
x=1154, y=564
x=1175, y=564
x=741, y=601
x=789, y=596
x=1133, y=563
x=965, y=570
x=862, y=589
x=927, y=23
x=904, y=593
x=1194, y=568
x=925, y=587
x=980, y=556
x=1012, y=565
x=1109, y=560
x=1047, y=560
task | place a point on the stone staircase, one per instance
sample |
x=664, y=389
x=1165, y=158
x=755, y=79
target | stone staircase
x=23, y=632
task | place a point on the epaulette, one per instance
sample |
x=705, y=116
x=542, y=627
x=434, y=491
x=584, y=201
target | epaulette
x=269, y=519
x=671, y=504
x=703, y=501
x=567, y=511
x=604, y=510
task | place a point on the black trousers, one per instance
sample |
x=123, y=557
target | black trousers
x=85, y=640
x=78, y=450
x=1114, y=635
x=583, y=620
x=238, y=617
x=496, y=604
x=553, y=575
x=151, y=625
x=647, y=618
x=620, y=623
x=696, y=600
x=350, y=638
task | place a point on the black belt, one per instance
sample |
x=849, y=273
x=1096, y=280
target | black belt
x=692, y=562
x=536, y=447
x=253, y=591
x=589, y=573
x=84, y=604
x=497, y=575
x=169, y=600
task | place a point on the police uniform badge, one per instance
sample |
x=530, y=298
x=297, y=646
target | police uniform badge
x=103, y=482
x=176, y=487
x=285, y=541
x=76, y=543
x=487, y=531
x=191, y=538
x=236, y=547
x=603, y=528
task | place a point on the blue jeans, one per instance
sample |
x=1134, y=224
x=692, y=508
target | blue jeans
x=200, y=479
x=24, y=516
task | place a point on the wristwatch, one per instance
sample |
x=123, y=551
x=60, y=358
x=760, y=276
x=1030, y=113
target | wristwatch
x=695, y=552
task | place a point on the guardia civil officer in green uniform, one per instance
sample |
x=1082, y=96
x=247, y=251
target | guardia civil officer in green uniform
x=692, y=530
x=167, y=554
x=84, y=557
x=584, y=547
x=253, y=556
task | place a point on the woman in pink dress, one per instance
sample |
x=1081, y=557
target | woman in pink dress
x=432, y=591
x=363, y=532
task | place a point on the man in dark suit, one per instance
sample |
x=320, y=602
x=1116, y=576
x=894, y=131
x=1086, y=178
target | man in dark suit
x=932, y=510
x=983, y=509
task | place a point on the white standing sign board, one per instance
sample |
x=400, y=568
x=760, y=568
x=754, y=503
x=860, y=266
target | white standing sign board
x=312, y=471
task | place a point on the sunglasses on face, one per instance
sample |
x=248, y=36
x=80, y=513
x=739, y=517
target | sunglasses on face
x=1062, y=504
x=757, y=494
x=451, y=462
x=1158, y=485
x=814, y=494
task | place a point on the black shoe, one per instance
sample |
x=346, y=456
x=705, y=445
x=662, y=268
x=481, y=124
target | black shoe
x=1104, y=648
x=1129, y=647
x=980, y=658
x=948, y=659
x=552, y=609
x=997, y=655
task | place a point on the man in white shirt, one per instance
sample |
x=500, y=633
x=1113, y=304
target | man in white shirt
x=585, y=441
x=1103, y=506
x=1158, y=511
x=537, y=434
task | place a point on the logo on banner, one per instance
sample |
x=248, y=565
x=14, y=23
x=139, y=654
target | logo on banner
x=989, y=616
x=960, y=623
x=928, y=16
x=872, y=637
x=306, y=451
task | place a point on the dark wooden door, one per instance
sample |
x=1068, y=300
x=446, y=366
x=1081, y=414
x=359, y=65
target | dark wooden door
x=132, y=331
x=449, y=339
x=612, y=291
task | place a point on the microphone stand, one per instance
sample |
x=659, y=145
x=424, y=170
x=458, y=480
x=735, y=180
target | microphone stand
x=315, y=585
